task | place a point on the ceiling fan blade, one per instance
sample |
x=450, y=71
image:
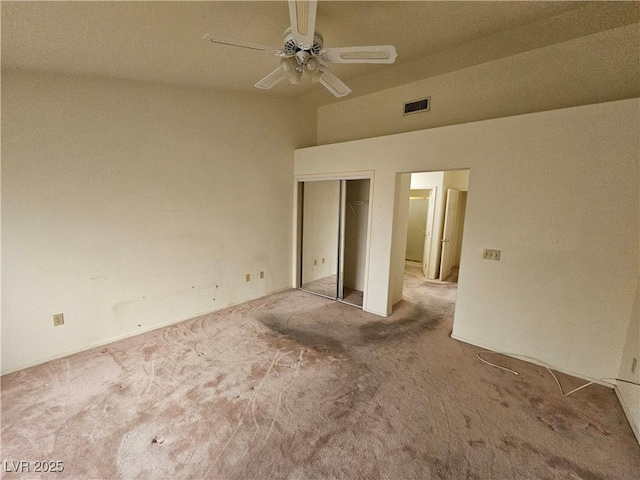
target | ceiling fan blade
x=272, y=79
x=219, y=39
x=370, y=54
x=333, y=83
x=303, y=21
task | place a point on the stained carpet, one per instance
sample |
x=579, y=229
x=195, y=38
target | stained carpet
x=295, y=386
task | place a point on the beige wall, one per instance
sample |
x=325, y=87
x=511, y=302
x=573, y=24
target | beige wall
x=597, y=68
x=127, y=206
x=557, y=192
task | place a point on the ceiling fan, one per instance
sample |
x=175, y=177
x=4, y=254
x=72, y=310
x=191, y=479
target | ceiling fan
x=304, y=50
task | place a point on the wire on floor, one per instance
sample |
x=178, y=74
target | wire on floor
x=548, y=369
x=493, y=364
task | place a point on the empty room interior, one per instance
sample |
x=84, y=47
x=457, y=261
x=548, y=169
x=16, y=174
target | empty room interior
x=331, y=239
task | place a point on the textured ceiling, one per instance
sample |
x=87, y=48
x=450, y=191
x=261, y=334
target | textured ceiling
x=162, y=41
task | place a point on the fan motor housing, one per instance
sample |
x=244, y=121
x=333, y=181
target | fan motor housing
x=291, y=47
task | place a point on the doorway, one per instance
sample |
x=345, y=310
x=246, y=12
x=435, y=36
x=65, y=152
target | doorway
x=435, y=222
x=334, y=219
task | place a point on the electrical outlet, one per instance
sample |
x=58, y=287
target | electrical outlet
x=488, y=254
x=634, y=365
x=247, y=277
x=261, y=274
x=58, y=319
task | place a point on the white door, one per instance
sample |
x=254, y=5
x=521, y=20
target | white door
x=417, y=230
x=449, y=233
x=428, y=239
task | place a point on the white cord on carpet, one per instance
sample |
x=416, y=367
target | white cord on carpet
x=493, y=364
x=545, y=366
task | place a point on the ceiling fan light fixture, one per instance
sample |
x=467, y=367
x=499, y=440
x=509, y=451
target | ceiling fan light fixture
x=313, y=68
x=303, y=50
x=285, y=64
x=289, y=66
x=311, y=64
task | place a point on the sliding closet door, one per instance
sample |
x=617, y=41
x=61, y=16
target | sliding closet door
x=320, y=237
x=335, y=223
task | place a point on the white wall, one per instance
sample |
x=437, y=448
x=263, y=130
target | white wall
x=557, y=192
x=592, y=69
x=127, y=206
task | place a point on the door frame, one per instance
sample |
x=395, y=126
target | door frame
x=299, y=181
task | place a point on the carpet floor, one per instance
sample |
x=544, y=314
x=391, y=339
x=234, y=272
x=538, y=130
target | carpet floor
x=296, y=386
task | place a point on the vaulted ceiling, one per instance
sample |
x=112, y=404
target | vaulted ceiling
x=162, y=41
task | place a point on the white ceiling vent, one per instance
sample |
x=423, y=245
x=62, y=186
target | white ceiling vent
x=417, y=106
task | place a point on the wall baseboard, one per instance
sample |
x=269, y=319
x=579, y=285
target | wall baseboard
x=42, y=360
x=534, y=361
x=625, y=408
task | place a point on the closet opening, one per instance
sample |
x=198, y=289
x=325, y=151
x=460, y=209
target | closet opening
x=333, y=219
